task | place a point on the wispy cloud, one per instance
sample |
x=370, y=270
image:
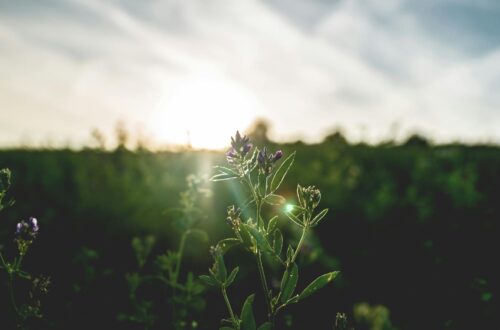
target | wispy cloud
x=73, y=65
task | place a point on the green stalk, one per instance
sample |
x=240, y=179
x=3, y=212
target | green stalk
x=180, y=254
x=262, y=274
x=301, y=241
x=11, y=292
x=178, y=269
x=228, y=304
x=260, y=266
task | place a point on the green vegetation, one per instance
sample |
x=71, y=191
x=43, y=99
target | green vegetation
x=413, y=227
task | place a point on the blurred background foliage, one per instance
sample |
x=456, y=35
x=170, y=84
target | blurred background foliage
x=413, y=228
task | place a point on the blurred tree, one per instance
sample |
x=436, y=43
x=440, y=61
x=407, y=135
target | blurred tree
x=122, y=135
x=98, y=139
x=336, y=138
x=417, y=140
x=258, y=133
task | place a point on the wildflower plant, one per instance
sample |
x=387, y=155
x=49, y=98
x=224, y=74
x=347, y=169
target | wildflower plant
x=185, y=293
x=24, y=235
x=262, y=172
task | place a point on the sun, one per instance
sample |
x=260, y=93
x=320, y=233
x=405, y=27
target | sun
x=202, y=111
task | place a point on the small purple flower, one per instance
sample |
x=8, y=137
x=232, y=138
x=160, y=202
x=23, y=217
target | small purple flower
x=262, y=157
x=266, y=161
x=277, y=156
x=19, y=228
x=238, y=142
x=246, y=148
x=34, y=224
x=231, y=155
x=240, y=147
x=27, y=230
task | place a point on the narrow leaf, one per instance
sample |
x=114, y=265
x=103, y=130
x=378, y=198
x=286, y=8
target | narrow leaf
x=261, y=240
x=319, y=217
x=232, y=276
x=209, y=280
x=289, y=253
x=223, y=177
x=226, y=170
x=247, y=318
x=281, y=172
x=277, y=242
x=317, y=284
x=294, y=219
x=273, y=199
x=272, y=224
x=221, y=271
x=292, y=300
x=288, y=282
x=265, y=326
x=246, y=237
x=300, y=198
x=227, y=244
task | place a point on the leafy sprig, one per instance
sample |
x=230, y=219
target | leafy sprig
x=262, y=172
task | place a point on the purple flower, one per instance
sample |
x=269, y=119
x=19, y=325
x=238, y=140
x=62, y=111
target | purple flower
x=266, y=161
x=262, y=157
x=27, y=231
x=277, y=156
x=231, y=155
x=240, y=147
x=246, y=149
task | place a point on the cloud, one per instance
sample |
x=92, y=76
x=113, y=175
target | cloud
x=78, y=64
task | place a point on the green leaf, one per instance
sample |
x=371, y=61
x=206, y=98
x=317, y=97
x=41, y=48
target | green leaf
x=247, y=318
x=272, y=224
x=226, y=328
x=245, y=236
x=273, y=199
x=289, y=253
x=209, y=280
x=259, y=237
x=277, y=242
x=289, y=282
x=265, y=326
x=221, y=271
x=226, y=170
x=317, y=284
x=281, y=172
x=227, y=244
x=300, y=196
x=232, y=276
x=142, y=247
x=24, y=274
x=223, y=177
x=294, y=219
x=292, y=300
x=319, y=217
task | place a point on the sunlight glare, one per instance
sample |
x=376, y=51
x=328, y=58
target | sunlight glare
x=203, y=111
x=288, y=207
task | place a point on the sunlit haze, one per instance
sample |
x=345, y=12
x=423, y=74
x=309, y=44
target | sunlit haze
x=193, y=72
x=202, y=111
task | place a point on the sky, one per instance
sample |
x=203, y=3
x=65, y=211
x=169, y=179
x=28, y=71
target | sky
x=195, y=71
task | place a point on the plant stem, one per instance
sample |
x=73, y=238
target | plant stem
x=3, y=261
x=262, y=274
x=178, y=269
x=11, y=292
x=304, y=229
x=180, y=254
x=228, y=304
x=260, y=266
